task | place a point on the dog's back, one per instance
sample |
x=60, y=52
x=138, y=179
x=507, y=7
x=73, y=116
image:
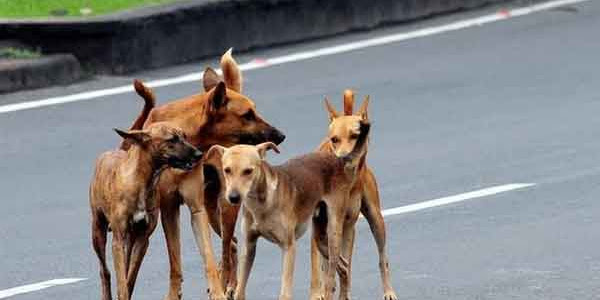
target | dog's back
x=312, y=173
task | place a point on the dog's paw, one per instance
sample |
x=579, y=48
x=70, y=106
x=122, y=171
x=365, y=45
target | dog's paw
x=317, y=297
x=215, y=296
x=345, y=297
x=230, y=293
x=390, y=295
x=173, y=295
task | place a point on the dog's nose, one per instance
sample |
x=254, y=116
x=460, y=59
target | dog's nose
x=277, y=136
x=197, y=154
x=234, y=197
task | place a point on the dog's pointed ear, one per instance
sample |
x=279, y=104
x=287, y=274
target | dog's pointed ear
x=331, y=110
x=231, y=72
x=363, y=111
x=210, y=79
x=264, y=147
x=214, y=154
x=218, y=97
x=348, y=102
x=137, y=136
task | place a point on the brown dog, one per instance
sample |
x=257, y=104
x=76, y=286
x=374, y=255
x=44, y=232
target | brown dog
x=279, y=201
x=221, y=115
x=121, y=198
x=364, y=198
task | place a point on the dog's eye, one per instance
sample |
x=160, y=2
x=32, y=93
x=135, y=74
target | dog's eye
x=354, y=136
x=174, y=139
x=227, y=170
x=247, y=172
x=249, y=116
x=335, y=140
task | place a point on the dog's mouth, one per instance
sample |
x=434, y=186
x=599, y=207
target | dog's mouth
x=181, y=164
x=272, y=135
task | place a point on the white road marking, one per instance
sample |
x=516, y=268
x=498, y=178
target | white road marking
x=456, y=198
x=37, y=286
x=300, y=56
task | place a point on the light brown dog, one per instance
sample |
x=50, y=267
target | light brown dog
x=121, y=198
x=278, y=202
x=364, y=198
x=223, y=116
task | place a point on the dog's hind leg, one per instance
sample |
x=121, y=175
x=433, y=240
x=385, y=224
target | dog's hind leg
x=138, y=251
x=99, y=232
x=371, y=210
x=169, y=215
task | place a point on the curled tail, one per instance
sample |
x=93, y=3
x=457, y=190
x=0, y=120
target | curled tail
x=352, y=158
x=149, y=103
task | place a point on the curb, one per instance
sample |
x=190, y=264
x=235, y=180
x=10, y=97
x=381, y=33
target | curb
x=20, y=74
x=181, y=32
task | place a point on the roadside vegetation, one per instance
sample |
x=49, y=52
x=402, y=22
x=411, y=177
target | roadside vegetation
x=17, y=53
x=68, y=8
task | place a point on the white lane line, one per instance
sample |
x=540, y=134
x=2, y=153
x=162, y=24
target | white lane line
x=37, y=286
x=456, y=198
x=304, y=55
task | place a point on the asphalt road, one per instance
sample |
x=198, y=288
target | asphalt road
x=508, y=102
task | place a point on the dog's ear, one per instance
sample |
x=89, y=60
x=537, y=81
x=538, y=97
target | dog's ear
x=264, y=147
x=137, y=136
x=214, y=154
x=331, y=110
x=231, y=72
x=218, y=97
x=348, y=102
x=363, y=111
x=210, y=79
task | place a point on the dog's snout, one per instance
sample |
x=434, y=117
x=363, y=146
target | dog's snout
x=276, y=136
x=234, y=197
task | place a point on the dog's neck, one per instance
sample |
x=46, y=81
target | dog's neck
x=263, y=196
x=144, y=170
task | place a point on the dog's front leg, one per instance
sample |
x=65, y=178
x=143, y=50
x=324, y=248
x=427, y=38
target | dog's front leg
x=169, y=215
x=246, y=259
x=202, y=236
x=316, y=261
x=371, y=210
x=138, y=251
x=192, y=192
x=287, y=278
x=334, y=232
x=120, y=262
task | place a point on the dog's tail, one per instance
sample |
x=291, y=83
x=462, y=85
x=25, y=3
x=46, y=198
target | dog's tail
x=351, y=159
x=149, y=103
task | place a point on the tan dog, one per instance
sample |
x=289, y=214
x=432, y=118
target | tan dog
x=121, y=198
x=364, y=198
x=279, y=201
x=221, y=115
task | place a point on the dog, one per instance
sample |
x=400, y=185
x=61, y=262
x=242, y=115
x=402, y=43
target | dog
x=221, y=115
x=364, y=198
x=279, y=201
x=122, y=198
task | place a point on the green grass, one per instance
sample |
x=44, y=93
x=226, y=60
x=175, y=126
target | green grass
x=19, y=53
x=72, y=8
